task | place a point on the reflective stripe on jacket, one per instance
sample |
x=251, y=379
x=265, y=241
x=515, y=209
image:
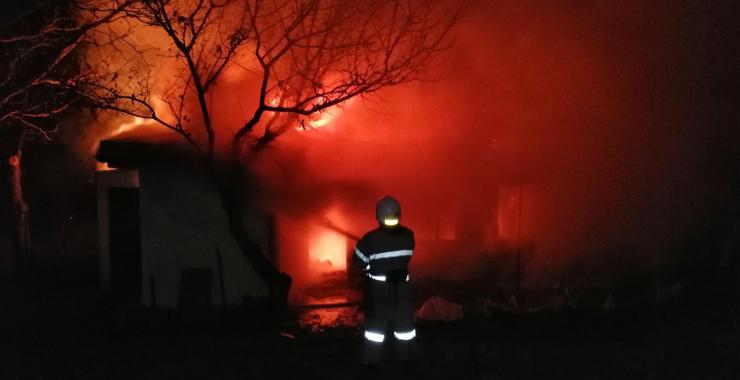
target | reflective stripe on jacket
x=385, y=250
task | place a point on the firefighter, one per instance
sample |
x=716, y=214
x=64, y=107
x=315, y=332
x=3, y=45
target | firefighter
x=384, y=255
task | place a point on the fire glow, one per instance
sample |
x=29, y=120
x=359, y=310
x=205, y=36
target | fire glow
x=382, y=156
x=327, y=250
x=324, y=118
x=129, y=126
x=455, y=151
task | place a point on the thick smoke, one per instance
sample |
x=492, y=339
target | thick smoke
x=612, y=118
x=613, y=121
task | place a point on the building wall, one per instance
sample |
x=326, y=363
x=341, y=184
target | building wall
x=184, y=226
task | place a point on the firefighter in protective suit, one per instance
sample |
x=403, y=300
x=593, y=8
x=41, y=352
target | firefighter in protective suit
x=384, y=255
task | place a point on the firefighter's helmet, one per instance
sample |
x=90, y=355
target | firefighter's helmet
x=388, y=212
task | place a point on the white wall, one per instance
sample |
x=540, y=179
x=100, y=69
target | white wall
x=183, y=223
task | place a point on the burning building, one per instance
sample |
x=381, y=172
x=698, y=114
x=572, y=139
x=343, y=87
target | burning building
x=163, y=233
x=165, y=241
x=531, y=141
x=323, y=187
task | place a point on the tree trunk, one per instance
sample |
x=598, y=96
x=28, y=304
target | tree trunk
x=20, y=207
x=277, y=282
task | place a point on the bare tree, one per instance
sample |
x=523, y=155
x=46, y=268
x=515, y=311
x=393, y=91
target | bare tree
x=202, y=39
x=317, y=54
x=308, y=55
x=37, y=65
x=37, y=62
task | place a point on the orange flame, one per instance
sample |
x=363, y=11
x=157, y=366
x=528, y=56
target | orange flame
x=324, y=119
x=103, y=167
x=328, y=248
x=125, y=127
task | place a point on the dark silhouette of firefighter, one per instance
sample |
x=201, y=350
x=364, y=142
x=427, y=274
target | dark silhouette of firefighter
x=384, y=255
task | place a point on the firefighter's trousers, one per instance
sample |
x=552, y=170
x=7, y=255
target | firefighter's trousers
x=388, y=309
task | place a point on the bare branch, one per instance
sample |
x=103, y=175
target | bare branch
x=312, y=55
x=38, y=64
x=322, y=53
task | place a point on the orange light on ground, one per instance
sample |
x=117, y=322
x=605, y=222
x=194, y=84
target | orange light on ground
x=319, y=319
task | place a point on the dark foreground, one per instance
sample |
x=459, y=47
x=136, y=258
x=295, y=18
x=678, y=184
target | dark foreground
x=65, y=332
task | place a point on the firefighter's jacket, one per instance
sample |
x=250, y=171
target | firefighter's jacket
x=385, y=251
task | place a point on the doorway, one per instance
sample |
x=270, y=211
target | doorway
x=125, y=245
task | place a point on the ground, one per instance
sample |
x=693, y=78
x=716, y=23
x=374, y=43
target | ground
x=68, y=332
